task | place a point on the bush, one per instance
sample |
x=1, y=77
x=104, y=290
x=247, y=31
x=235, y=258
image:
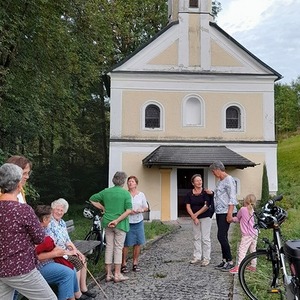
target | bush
x=265, y=187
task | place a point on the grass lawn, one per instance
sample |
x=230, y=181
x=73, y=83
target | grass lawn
x=289, y=187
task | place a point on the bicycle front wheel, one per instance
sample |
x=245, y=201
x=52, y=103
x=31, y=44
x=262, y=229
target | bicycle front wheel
x=95, y=253
x=259, y=276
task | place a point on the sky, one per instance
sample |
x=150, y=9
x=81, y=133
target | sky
x=270, y=29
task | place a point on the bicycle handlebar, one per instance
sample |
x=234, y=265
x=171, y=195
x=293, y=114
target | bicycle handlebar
x=270, y=214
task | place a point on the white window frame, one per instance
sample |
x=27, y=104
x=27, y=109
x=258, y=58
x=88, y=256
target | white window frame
x=162, y=116
x=184, y=111
x=242, y=120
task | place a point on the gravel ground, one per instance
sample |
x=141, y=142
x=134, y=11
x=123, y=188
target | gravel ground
x=167, y=274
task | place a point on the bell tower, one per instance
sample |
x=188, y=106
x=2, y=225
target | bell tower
x=175, y=7
x=194, y=17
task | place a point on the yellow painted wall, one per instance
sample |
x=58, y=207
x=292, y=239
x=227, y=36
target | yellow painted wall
x=167, y=57
x=221, y=58
x=194, y=40
x=149, y=178
x=250, y=178
x=133, y=102
x=165, y=194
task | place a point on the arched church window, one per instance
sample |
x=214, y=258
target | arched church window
x=193, y=111
x=233, y=118
x=152, y=116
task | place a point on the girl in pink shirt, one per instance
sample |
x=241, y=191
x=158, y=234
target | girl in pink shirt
x=245, y=217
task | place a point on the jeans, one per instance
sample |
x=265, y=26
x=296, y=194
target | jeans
x=63, y=276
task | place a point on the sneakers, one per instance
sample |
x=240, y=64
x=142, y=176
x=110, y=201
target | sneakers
x=195, y=261
x=251, y=269
x=227, y=266
x=234, y=270
x=89, y=294
x=221, y=265
x=83, y=297
x=205, y=262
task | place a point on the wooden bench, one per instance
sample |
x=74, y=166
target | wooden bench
x=83, y=246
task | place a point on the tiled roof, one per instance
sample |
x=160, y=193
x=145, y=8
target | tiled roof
x=196, y=156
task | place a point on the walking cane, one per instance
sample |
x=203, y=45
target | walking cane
x=96, y=283
x=85, y=266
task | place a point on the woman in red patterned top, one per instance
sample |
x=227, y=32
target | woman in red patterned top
x=20, y=230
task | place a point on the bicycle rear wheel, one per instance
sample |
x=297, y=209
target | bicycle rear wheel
x=256, y=276
x=95, y=253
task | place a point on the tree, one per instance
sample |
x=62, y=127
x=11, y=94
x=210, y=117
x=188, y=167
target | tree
x=54, y=92
x=286, y=109
x=216, y=8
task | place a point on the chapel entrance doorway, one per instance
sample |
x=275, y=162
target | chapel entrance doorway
x=184, y=185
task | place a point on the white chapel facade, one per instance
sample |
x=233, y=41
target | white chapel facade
x=190, y=96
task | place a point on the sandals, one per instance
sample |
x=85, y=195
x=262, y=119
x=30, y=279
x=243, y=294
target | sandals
x=136, y=268
x=124, y=269
x=120, y=278
x=109, y=278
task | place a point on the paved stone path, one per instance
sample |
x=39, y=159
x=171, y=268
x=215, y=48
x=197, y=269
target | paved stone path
x=166, y=273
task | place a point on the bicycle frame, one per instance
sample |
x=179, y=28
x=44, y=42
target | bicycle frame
x=277, y=257
x=97, y=232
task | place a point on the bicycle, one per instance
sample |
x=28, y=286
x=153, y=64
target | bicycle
x=273, y=272
x=96, y=233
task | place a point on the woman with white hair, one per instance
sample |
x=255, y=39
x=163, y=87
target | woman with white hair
x=57, y=229
x=20, y=231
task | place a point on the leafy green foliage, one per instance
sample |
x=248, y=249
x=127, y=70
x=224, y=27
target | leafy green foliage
x=53, y=101
x=216, y=7
x=286, y=109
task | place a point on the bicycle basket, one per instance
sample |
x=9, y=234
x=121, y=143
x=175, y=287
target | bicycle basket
x=88, y=213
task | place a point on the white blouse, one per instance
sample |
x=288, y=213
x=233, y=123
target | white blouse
x=138, y=202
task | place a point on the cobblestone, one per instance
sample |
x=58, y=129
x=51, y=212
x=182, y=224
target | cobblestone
x=167, y=274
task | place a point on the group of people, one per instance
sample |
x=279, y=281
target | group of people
x=202, y=203
x=34, y=251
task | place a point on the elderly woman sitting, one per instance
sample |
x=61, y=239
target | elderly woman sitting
x=57, y=229
x=54, y=268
